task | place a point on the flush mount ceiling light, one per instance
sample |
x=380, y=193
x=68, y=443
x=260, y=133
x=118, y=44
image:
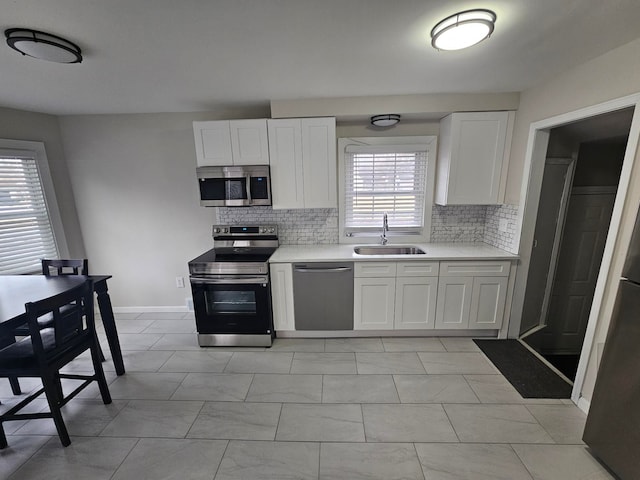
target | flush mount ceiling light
x=387, y=120
x=44, y=46
x=463, y=29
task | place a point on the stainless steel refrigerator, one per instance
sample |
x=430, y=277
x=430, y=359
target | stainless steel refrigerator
x=613, y=424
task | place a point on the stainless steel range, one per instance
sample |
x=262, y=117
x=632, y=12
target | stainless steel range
x=230, y=287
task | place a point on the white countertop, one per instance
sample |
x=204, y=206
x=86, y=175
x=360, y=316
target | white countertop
x=344, y=252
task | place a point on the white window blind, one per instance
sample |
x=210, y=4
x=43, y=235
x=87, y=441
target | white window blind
x=380, y=180
x=26, y=235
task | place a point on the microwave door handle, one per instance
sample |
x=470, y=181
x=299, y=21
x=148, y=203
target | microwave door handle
x=249, y=189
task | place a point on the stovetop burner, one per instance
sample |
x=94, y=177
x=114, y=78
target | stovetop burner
x=237, y=250
x=214, y=256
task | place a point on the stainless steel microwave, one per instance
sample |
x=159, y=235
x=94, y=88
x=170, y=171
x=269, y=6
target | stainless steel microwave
x=237, y=186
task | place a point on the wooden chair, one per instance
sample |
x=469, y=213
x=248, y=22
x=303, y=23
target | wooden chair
x=64, y=266
x=45, y=351
x=50, y=268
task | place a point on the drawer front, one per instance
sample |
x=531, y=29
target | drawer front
x=417, y=269
x=473, y=268
x=375, y=269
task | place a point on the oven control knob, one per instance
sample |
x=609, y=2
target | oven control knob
x=216, y=230
x=271, y=230
x=263, y=230
x=225, y=230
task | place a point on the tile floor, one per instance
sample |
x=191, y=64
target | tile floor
x=365, y=408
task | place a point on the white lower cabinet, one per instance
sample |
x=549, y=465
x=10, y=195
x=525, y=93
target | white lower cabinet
x=415, y=302
x=373, y=303
x=384, y=301
x=282, y=296
x=487, y=302
x=416, y=295
x=454, y=302
x=472, y=294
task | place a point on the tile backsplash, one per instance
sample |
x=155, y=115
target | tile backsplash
x=310, y=226
x=492, y=224
x=458, y=223
x=501, y=227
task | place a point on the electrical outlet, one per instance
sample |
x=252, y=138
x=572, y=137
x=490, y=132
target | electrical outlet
x=180, y=282
x=503, y=224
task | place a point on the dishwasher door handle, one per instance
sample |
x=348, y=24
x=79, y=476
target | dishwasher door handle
x=323, y=270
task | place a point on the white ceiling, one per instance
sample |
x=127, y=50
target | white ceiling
x=599, y=127
x=197, y=55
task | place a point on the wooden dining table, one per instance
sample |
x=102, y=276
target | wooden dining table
x=17, y=290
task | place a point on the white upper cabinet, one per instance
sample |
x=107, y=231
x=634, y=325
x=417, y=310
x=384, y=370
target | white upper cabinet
x=285, y=153
x=319, y=162
x=213, y=143
x=302, y=155
x=473, y=158
x=231, y=142
x=249, y=142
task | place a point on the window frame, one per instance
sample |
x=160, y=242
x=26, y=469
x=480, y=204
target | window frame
x=37, y=150
x=418, y=143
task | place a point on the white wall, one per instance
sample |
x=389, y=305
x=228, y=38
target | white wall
x=137, y=200
x=610, y=76
x=38, y=127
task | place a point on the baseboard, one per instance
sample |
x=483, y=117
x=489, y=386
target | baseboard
x=163, y=309
x=384, y=333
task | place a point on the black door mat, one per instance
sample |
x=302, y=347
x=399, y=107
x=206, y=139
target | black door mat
x=529, y=376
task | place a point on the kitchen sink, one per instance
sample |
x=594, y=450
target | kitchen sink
x=388, y=250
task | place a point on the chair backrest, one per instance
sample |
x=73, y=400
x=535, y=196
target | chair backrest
x=68, y=308
x=51, y=267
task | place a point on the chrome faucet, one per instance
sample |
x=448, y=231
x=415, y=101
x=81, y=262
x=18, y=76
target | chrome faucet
x=385, y=229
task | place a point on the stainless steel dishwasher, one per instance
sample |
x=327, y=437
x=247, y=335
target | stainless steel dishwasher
x=323, y=296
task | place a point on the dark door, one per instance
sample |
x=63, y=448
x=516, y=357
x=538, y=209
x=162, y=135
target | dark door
x=540, y=273
x=583, y=241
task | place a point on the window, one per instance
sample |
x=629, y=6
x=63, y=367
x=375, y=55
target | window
x=386, y=175
x=26, y=229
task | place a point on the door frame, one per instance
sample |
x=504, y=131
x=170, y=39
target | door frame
x=535, y=156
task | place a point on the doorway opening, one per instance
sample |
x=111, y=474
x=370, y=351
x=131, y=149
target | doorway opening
x=579, y=184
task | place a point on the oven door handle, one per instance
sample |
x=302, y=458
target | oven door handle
x=229, y=280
